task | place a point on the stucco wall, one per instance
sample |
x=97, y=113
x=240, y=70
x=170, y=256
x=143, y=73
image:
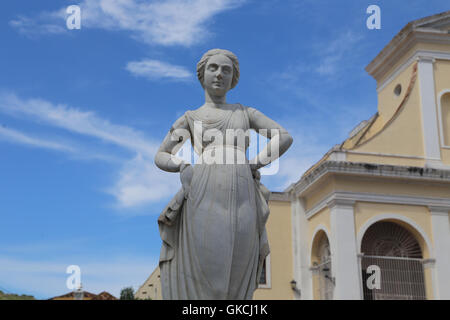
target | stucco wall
x=279, y=232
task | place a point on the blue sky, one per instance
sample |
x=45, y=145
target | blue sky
x=82, y=113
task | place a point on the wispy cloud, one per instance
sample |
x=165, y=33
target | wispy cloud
x=171, y=22
x=138, y=181
x=77, y=121
x=332, y=57
x=43, y=23
x=306, y=150
x=328, y=61
x=155, y=70
x=19, y=137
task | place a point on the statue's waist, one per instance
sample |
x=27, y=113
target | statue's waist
x=224, y=154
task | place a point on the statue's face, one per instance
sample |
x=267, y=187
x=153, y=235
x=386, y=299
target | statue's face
x=218, y=75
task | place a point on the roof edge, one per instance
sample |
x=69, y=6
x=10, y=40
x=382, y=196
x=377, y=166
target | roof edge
x=369, y=169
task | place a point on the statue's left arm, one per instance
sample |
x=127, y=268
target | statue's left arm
x=280, y=139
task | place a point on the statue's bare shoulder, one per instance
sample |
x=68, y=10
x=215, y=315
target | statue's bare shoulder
x=180, y=123
x=259, y=120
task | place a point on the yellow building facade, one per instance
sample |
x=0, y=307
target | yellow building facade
x=370, y=220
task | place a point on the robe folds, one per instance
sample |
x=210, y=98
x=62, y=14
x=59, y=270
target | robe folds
x=213, y=231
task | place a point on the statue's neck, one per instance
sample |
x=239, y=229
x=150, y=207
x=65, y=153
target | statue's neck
x=212, y=99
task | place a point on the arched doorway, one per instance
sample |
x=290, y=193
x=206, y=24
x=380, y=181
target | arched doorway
x=395, y=259
x=322, y=272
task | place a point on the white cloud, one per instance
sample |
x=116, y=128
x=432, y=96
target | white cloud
x=329, y=59
x=171, y=22
x=47, y=278
x=154, y=70
x=139, y=182
x=19, y=137
x=43, y=24
x=304, y=152
x=332, y=56
x=78, y=121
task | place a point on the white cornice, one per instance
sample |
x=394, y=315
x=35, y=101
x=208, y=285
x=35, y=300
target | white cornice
x=279, y=196
x=401, y=44
x=368, y=170
x=340, y=202
x=387, y=57
x=437, y=210
x=436, y=205
x=419, y=54
x=390, y=155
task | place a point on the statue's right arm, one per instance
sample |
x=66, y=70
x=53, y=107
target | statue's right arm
x=165, y=158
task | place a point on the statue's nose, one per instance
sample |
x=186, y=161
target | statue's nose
x=219, y=75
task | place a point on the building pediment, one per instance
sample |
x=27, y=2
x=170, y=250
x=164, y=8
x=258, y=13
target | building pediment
x=439, y=22
x=433, y=29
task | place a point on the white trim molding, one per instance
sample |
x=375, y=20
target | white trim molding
x=340, y=155
x=436, y=55
x=429, y=110
x=390, y=155
x=370, y=170
x=418, y=31
x=350, y=197
x=440, y=224
x=393, y=216
x=344, y=259
x=279, y=196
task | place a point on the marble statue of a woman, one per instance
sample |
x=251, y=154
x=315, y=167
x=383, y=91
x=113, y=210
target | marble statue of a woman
x=213, y=230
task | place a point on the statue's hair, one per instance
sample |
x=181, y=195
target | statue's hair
x=204, y=60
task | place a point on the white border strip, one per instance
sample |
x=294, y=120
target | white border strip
x=378, y=198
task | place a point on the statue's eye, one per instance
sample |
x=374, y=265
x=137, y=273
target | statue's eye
x=212, y=67
x=227, y=70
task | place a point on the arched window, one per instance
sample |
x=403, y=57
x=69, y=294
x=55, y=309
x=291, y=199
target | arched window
x=445, y=118
x=396, y=254
x=322, y=272
x=264, y=277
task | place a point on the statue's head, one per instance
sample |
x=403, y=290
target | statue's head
x=218, y=70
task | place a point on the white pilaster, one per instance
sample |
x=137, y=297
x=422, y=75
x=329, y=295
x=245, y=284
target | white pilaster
x=302, y=274
x=344, y=260
x=441, y=239
x=429, y=111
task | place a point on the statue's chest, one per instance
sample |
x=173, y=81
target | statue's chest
x=212, y=115
x=227, y=127
x=221, y=120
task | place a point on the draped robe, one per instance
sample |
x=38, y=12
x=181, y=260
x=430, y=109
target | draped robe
x=213, y=231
